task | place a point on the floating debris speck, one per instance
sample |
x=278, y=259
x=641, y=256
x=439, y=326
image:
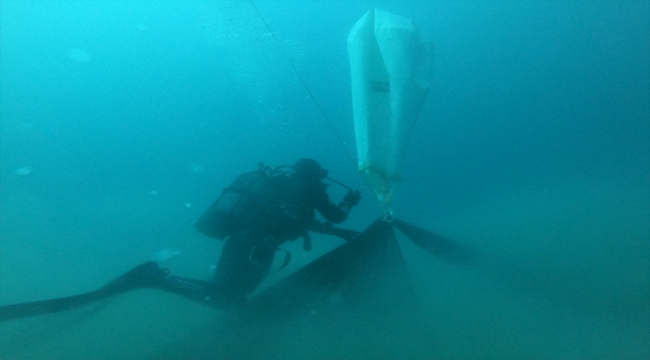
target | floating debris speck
x=79, y=56
x=22, y=171
x=165, y=254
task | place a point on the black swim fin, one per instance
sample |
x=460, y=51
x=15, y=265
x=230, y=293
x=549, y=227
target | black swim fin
x=146, y=275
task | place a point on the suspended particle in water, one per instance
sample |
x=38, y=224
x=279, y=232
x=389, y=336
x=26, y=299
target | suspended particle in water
x=23, y=171
x=164, y=254
x=79, y=56
x=196, y=168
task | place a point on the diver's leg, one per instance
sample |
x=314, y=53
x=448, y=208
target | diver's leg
x=151, y=275
x=195, y=290
x=241, y=268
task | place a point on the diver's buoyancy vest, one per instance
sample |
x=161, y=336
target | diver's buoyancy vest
x=265, y=199
x=239, y=205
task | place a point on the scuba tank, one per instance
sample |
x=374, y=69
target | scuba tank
x=238, y=205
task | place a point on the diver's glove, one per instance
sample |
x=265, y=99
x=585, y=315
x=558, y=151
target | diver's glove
x=352, y=197
x=345, y=234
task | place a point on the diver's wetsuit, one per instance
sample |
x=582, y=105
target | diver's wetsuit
x=247, y=255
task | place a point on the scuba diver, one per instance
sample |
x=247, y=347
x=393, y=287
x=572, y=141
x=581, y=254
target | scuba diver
x=256, y=214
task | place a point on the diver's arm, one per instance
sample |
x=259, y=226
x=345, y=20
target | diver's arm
x=321, y=227
x=328, y=228
x=334, y=213
x=342, y=210
x=337, y=213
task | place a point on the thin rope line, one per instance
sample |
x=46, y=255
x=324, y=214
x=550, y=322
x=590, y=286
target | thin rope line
x=304, y=84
